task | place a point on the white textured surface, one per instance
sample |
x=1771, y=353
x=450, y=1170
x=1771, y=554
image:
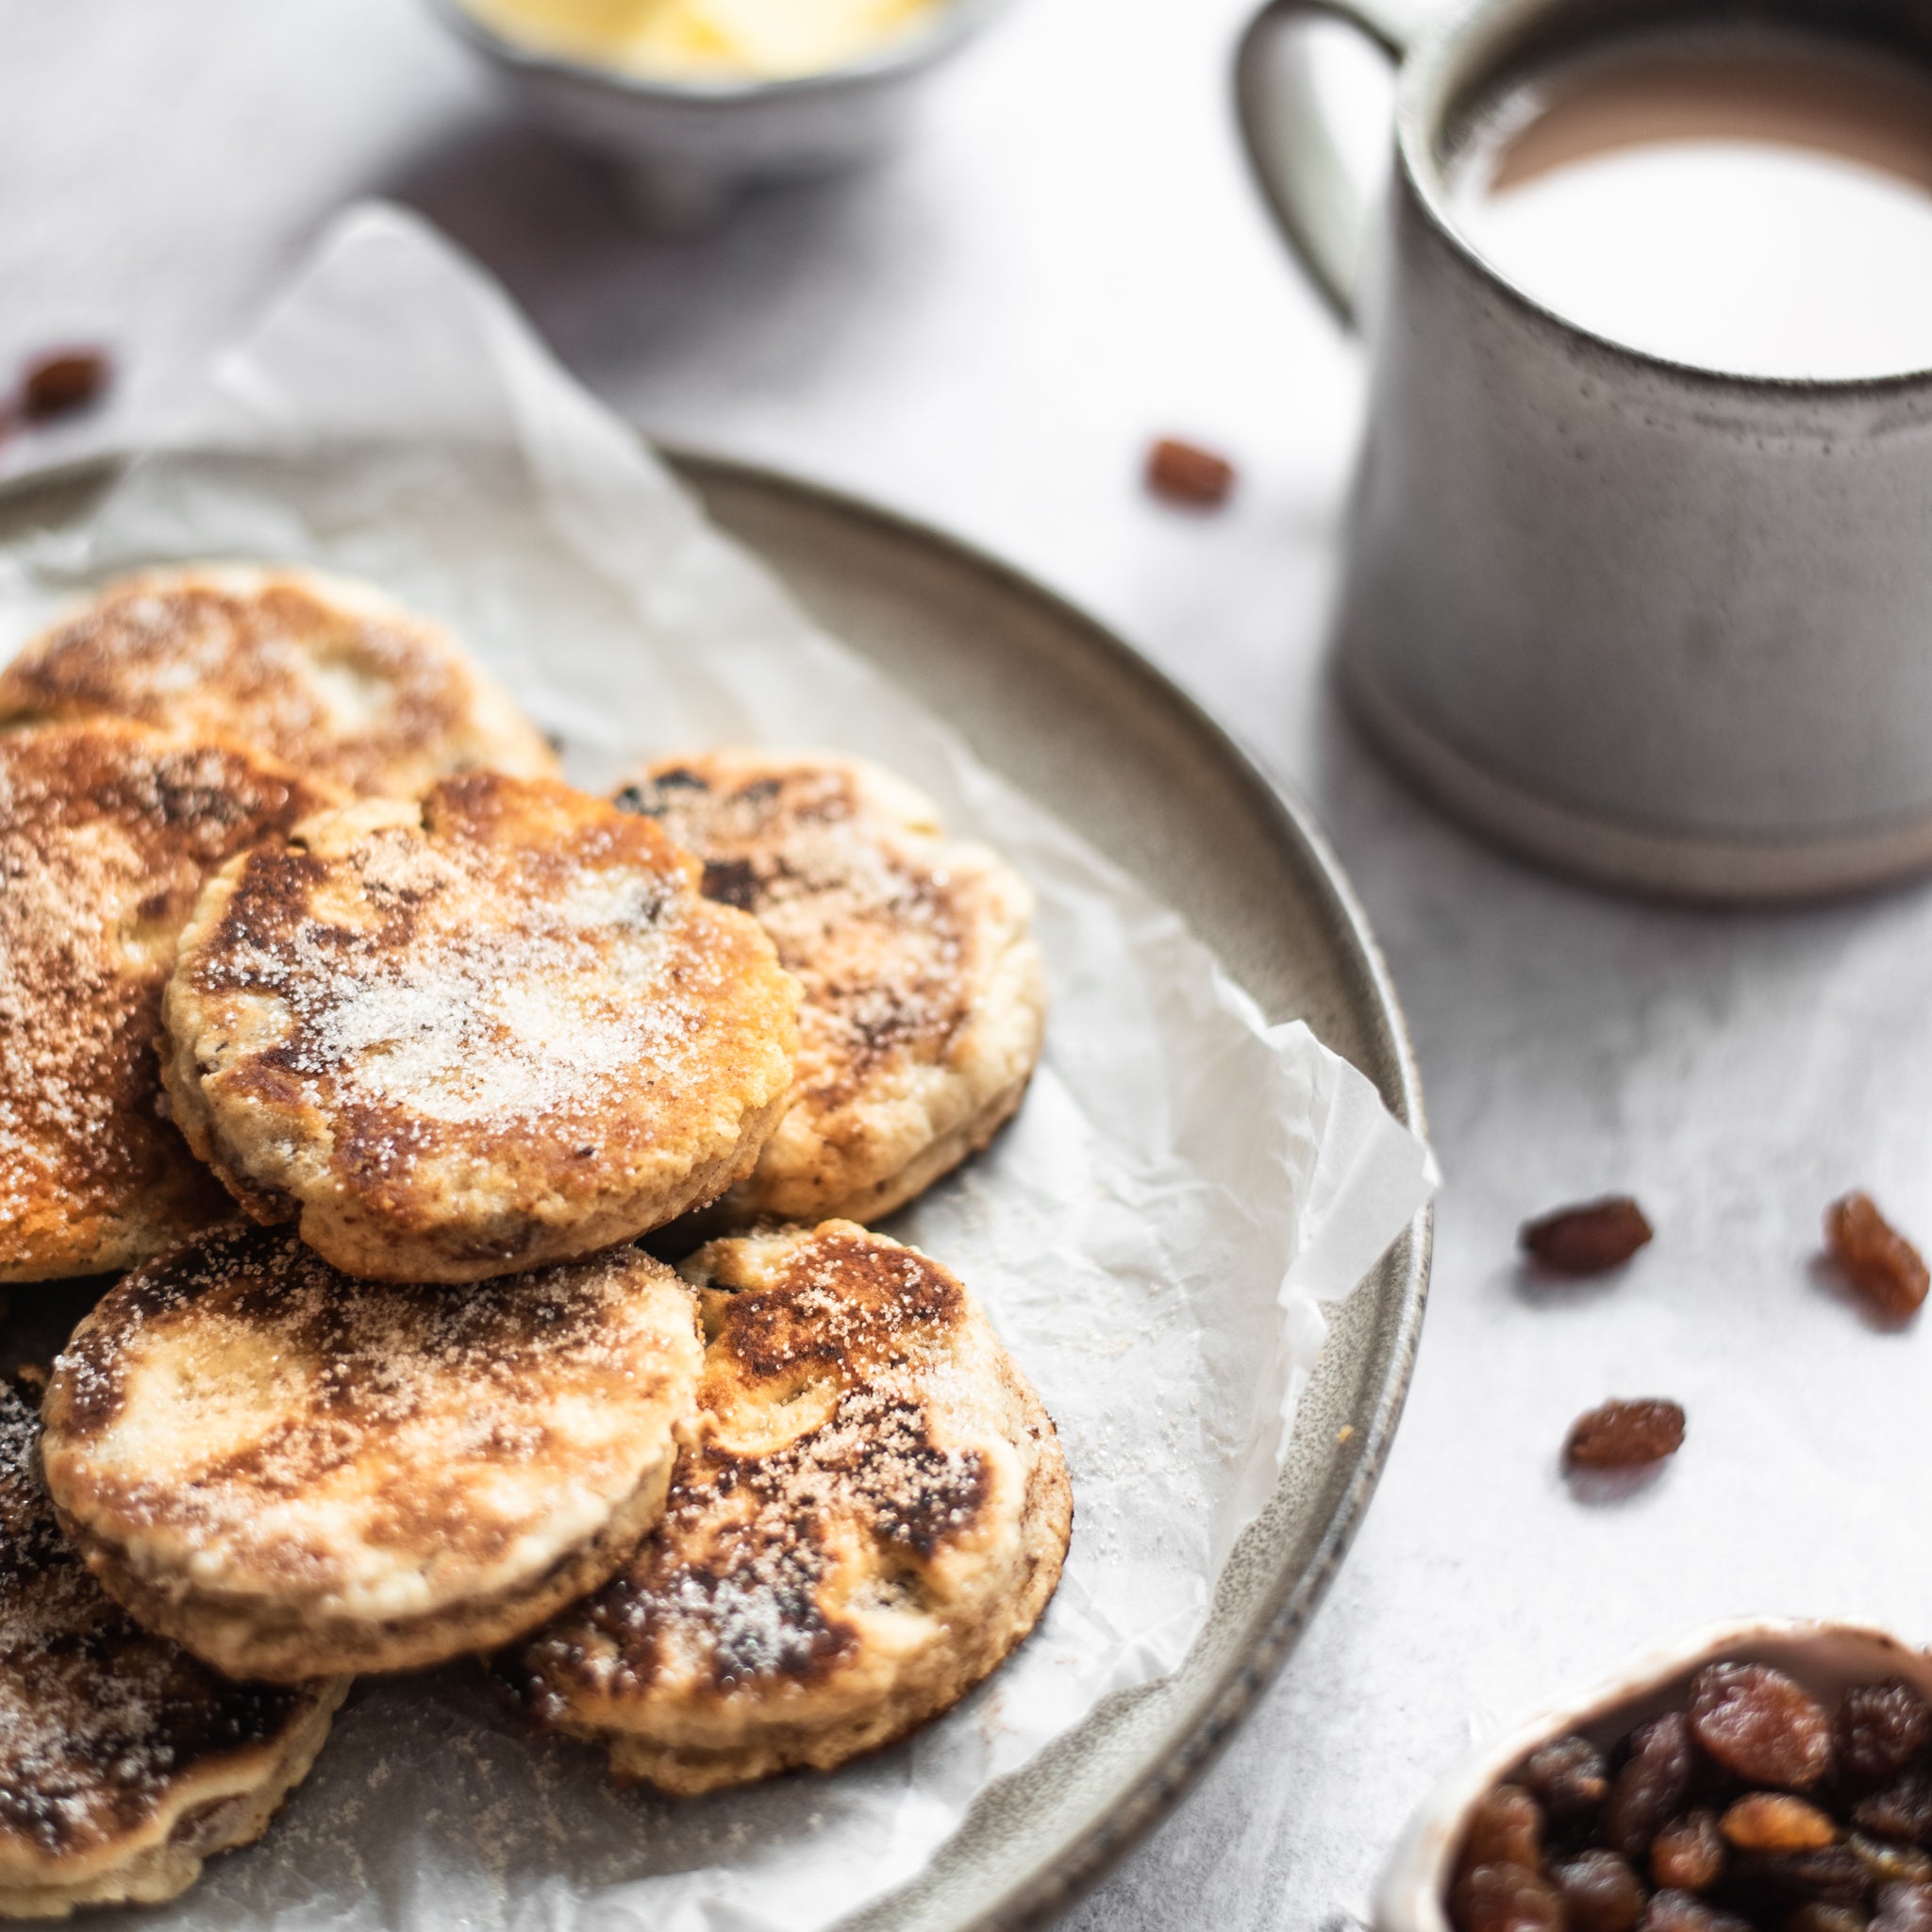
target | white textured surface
x=985, y=333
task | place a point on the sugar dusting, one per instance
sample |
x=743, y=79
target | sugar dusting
x=874, y=916
x=536, y=1017
x=824, y=1521
x=98, y=1719
x=818, y=1485
x=510, y=983
x=104, y=837
x=281, y=1428
x=320, y=684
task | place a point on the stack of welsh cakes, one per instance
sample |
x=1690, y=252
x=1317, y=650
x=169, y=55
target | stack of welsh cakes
x=371, y=1050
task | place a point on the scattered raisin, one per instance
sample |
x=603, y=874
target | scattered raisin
x=1881, y=1263
x=1506, y=1898
x=65, y=380
x=1904, y=1908
x=1621, y=1435
x=1901, y=1810
x=1185, y=472
x=1878, y=1727
x=1506, y=1827
x=1568, y=1776
x=1599, y=1893
x=1688, y=1853
x=1589, y=1239
x=1776, y=1822
x=1651, y=1786
x=1761, y=1724
x=1679, y=1911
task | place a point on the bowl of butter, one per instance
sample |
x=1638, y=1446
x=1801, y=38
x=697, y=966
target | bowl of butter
x=697, y=99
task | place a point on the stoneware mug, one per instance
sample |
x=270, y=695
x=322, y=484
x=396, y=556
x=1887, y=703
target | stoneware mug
x=1665, y=628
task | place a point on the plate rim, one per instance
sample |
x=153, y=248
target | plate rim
x=1055, y=1880
x=1055, y=1884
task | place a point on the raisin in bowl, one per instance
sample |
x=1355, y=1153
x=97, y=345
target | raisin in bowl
x=1750, y=1774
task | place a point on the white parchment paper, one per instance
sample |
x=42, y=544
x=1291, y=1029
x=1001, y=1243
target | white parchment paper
x=1154, y=1236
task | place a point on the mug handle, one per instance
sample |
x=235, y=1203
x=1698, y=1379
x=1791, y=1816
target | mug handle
x=1317, y=200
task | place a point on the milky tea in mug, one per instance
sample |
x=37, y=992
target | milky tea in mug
x=1739, y=197
x=1637, y=567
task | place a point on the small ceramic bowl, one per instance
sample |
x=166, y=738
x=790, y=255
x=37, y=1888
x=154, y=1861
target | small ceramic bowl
x=1826, y=1658
x=686, y=148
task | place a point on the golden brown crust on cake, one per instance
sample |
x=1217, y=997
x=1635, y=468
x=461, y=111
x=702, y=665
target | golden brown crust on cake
x=870, y=1513
x=282, y=1643
x=925, y=995
x=107, y=830
x=291, y=1471
x=124, y=1761
x=326, y=675
x=493, y=1029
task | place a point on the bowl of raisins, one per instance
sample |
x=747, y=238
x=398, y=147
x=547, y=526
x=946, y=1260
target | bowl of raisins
x=1752, y=1774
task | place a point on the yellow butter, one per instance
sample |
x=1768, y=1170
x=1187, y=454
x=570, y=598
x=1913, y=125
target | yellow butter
x=707, y=39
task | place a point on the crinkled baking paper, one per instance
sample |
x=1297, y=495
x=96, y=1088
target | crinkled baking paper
x=1154, y=1235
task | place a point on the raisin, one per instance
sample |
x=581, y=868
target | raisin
x=1882, y=1264
x=1687, y=1854
x=732, y=882
x=1621, y=1435
x=1506, y=1898
x=66, y=380
x=1599, y=1893
x=1679, y=1911
x=1651, y=1786
x=1776, y=1822
x=1761, y=1724
x=1878, y=1727
x=1506, y=1827
x=1568, y=1776
x=1185, y=472
x=1891, y=1864
x=1587, y=1239
x=1901, y=1810
x=1904, y=1908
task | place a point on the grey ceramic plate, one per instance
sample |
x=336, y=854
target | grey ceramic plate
x=1065, y=710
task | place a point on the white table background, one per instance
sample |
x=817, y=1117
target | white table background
x=985, y=333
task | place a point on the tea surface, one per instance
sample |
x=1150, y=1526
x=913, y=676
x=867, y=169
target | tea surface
x=1743, y=201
